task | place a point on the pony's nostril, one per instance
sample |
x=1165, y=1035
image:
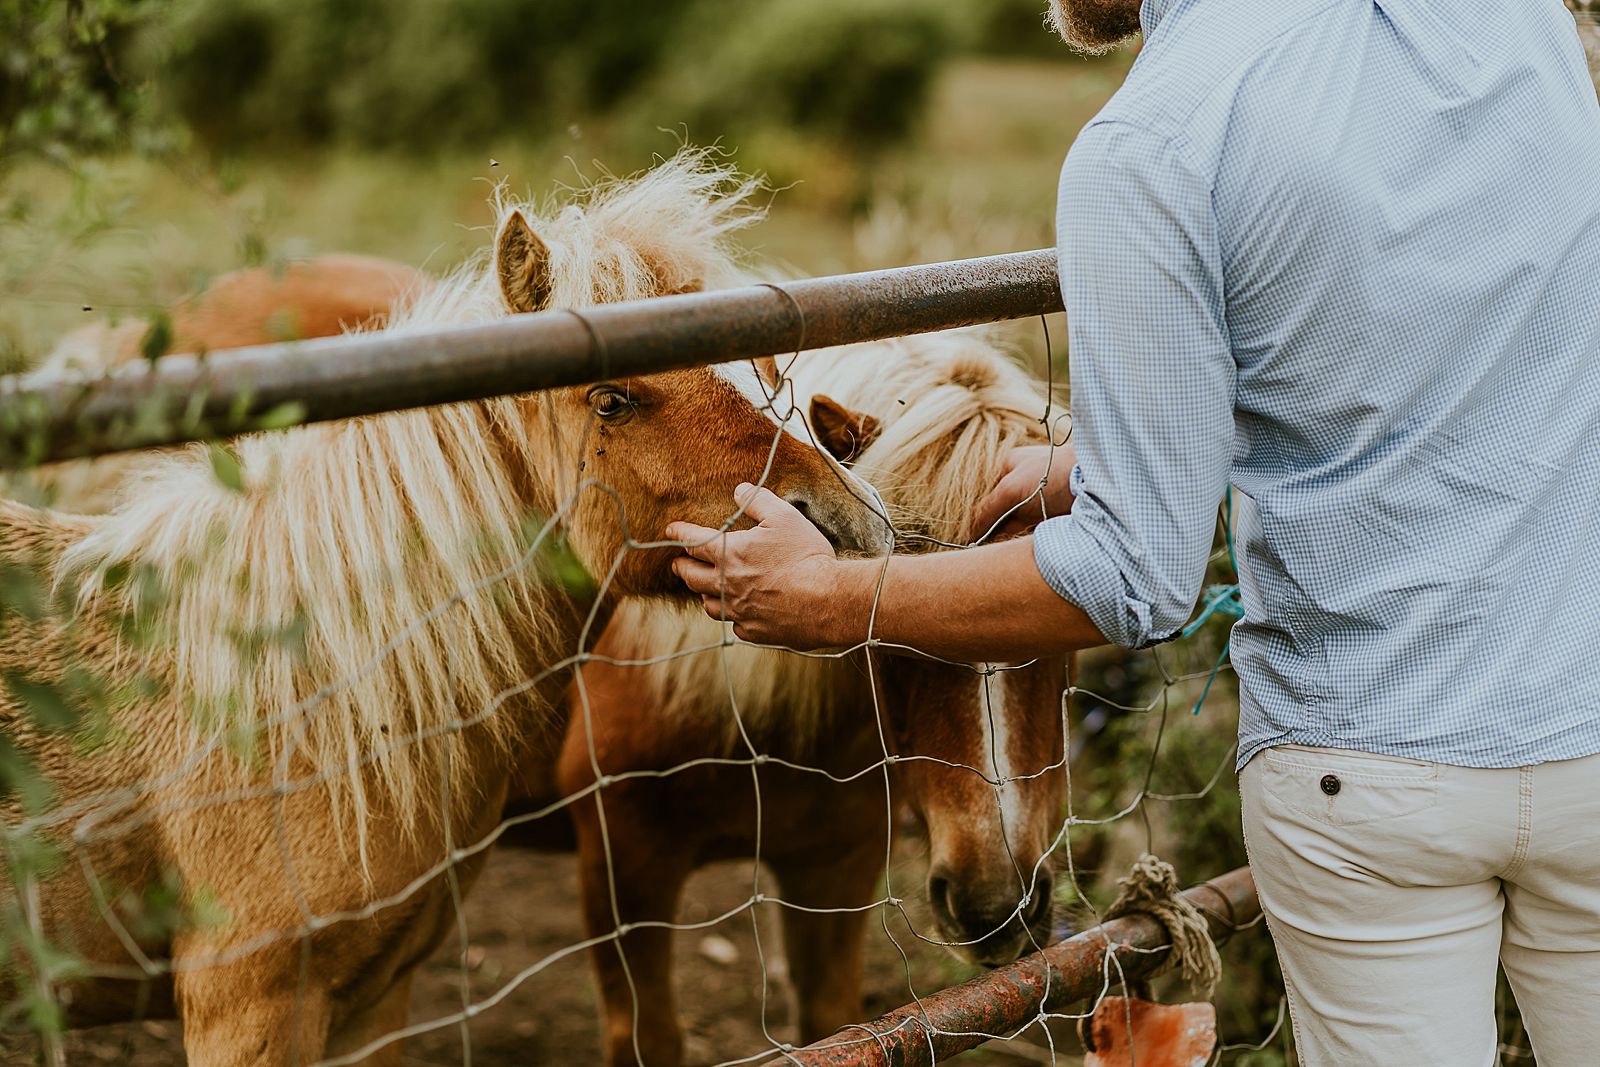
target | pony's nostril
x=939, y=896
x=1040, y=907
x=805, y=507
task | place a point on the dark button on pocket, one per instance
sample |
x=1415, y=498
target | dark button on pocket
x=1330, y=784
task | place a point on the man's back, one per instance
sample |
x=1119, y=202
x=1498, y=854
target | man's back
x=1402, y=259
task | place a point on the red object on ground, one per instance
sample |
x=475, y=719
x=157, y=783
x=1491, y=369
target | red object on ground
x=1164, y=1035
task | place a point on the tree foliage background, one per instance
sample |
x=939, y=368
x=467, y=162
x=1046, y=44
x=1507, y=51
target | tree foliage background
x=62, y=89
x=421, y=76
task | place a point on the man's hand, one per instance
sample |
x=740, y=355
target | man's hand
x=777, y=583
x=781, y=584
x=1016, y=502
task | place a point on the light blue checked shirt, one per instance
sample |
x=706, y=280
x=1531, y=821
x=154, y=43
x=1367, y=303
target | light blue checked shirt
x=1345, y=255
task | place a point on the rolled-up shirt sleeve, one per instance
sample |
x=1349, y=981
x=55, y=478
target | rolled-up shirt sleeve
x=1153, y=384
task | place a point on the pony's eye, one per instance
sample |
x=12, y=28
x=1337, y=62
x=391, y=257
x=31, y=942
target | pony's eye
x=610, y=403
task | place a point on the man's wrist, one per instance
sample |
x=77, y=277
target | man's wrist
x=847, y=602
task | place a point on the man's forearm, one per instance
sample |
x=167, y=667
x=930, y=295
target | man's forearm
x=975, y=604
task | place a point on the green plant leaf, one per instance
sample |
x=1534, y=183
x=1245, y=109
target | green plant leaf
x=49, y=705
x=157, y=339
x=289, y=413
x=226, y=466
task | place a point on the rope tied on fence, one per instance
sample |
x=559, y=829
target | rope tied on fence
x=1151, y=888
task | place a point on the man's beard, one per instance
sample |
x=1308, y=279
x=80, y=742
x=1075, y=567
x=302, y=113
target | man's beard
x=1094, y=26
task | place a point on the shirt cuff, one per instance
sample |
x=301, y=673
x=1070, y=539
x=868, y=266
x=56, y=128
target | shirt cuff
x=1082, y=573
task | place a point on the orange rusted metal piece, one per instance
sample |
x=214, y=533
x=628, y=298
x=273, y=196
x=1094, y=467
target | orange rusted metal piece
x=1124, y=1031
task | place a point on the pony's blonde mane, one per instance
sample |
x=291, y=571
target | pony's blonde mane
x=300, y=613
x=950, y=406
x=617, y=239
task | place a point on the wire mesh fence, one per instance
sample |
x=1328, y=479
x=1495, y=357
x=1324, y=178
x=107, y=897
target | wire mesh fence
x=266, y=720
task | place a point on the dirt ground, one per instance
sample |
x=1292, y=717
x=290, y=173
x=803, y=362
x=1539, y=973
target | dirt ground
x=523, y=909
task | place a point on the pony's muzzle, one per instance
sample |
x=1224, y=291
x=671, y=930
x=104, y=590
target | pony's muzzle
x=853, y=520
x=992, y=927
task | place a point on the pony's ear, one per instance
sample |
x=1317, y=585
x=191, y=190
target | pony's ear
x=767, y=367
x=522, y=262
x=844, y=433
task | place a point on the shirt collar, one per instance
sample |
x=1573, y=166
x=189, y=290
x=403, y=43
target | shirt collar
x=1150, y=12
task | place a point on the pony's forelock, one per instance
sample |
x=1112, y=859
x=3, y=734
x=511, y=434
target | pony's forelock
x=615, y=239
x=949, y=407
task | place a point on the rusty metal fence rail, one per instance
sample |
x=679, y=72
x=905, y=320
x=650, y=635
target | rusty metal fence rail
x=183, y=398
x=1009, y=999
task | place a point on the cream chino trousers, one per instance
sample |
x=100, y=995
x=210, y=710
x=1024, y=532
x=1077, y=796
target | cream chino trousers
x=1393, y=886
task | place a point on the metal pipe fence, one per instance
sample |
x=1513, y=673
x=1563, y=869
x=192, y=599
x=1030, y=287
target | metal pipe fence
x=185, y=398
x=1009, y=998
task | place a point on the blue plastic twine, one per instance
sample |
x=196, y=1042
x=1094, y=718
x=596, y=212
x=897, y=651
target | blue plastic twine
x=1219, y=600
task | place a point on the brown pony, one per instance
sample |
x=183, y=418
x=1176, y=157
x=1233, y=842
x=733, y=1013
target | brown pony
x=977, y=752
x=316, y=687
x=317, y=297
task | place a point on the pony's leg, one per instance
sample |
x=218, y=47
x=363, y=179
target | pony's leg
x=386, y=1016
x=649, y=865
x=251, y=1013
x=826, y=951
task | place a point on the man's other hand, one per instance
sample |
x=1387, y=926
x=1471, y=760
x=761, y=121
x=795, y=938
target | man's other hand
x=1016, y=503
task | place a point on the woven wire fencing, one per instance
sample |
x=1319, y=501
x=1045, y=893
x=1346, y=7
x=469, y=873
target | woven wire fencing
x=266, y=722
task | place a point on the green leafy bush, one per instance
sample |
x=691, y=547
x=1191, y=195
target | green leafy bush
x=1014, y=27
x=855, y=71
x=61, y=88
x=406, y=74
x=419, y=75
